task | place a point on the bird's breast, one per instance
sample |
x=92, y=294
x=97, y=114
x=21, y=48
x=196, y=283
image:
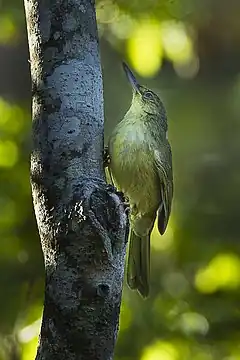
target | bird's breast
x=132, y=165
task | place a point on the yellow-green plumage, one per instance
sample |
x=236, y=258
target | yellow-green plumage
x=141, y=166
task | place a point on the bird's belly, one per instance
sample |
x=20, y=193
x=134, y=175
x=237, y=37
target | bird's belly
x=134, y=172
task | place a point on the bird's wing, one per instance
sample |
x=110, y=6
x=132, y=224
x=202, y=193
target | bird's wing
x=164, y=171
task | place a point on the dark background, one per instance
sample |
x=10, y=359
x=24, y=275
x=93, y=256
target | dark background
x=188, y=51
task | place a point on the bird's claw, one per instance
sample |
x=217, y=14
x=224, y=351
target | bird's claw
x=125, y=201
x=126, y=207
x=111, y=188
x=106, y=157
x=121, y=196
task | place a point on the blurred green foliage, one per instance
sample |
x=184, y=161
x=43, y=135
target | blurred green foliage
x=188, y=52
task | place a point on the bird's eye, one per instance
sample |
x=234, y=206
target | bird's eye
x=148, y=95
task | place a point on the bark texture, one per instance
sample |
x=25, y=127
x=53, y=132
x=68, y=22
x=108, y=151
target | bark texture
x=81, y=220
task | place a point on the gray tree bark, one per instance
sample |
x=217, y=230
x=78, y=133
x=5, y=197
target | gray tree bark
x=81, y=220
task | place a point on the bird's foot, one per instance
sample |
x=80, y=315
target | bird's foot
x=106, y=157
x=125, y=202
x=111, y=188
x=121, y=196
x=126, y=207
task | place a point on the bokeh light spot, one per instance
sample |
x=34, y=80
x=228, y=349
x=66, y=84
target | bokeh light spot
x=8, y=153
x=223, y=272
x=191, y=322
x=12, y=118
x=28, y=338
x=176, y=42
x=175, y=284
x=161, y=350
x=29, y=332
x=7, y=29
x=187, y=70
x=144, y=47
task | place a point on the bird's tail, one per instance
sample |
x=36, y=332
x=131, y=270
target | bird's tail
x=138, y=270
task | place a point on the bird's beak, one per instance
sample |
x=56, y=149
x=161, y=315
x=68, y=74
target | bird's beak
x=131, y=78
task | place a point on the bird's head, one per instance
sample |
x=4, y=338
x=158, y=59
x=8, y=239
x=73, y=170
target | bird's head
x=144, y=99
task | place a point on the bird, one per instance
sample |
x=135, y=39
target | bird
x=140, y=164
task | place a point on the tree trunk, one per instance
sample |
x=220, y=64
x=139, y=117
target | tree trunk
x=81, y=220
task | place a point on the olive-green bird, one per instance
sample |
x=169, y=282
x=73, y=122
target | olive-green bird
x=141, y=167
